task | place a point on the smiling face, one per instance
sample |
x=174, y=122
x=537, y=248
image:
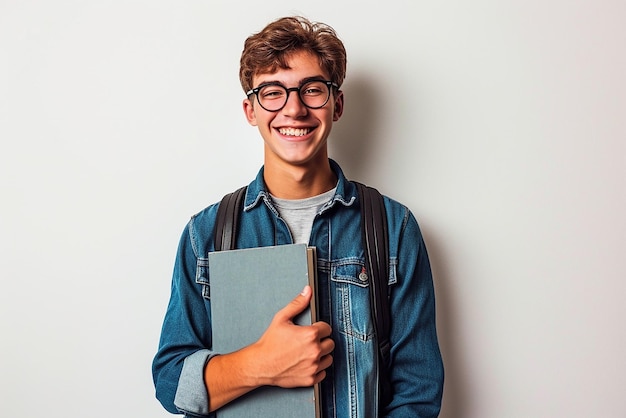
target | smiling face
x=295, y=135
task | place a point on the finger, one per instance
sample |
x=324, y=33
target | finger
x=324, y=330
x=325, y=362
x=327, y=346
x=320, y=376
x=297, y=305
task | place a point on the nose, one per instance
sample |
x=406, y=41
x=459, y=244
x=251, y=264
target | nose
x=294, y=106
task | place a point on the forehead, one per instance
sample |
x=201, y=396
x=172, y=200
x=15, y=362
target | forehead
x=300, y=65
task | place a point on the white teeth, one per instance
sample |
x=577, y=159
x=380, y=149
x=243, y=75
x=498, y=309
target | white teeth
x=293, y=131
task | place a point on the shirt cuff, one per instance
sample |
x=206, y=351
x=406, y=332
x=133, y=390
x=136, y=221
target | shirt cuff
x=191, y=394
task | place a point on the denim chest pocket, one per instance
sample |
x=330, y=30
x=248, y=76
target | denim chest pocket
x=351, y=301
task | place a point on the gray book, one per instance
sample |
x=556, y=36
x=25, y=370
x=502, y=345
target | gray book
x=248, y=287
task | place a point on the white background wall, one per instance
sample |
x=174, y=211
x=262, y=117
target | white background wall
x=500, y=123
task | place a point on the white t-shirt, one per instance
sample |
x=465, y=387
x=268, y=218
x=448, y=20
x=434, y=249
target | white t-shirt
x=299, y=213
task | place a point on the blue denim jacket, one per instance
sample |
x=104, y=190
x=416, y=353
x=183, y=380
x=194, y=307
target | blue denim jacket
x=351, y=386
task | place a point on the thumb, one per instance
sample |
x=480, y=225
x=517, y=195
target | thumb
x=297, y=305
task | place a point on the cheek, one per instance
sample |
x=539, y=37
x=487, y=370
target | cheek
x=262, y=121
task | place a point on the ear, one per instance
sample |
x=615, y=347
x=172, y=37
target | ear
x=248, y=110
x=338, y=111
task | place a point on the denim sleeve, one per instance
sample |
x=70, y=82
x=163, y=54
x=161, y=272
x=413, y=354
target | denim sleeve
x=184, y=347
x=416, y=365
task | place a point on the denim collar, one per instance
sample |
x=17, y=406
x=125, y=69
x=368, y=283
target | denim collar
x=345, y=194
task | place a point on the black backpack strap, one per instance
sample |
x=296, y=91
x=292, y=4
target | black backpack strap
x=376, y=243
x=227, y=221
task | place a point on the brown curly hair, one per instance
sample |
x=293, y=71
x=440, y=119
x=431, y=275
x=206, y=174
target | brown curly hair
x=269, y=49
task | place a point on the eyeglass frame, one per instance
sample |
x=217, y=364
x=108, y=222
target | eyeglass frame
x=256, y=90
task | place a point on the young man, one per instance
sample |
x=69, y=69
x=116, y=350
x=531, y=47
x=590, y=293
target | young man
x=291, y=72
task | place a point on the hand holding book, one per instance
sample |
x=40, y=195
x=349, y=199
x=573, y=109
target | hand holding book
x=295, y=355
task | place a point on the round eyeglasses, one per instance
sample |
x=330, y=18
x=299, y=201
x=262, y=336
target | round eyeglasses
x=273, y=96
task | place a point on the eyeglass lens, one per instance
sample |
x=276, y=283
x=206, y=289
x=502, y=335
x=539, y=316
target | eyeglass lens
x=313, y=94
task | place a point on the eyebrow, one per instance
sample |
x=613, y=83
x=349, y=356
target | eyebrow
x=301, y=82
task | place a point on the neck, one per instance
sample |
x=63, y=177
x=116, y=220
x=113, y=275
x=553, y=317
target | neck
x=287, y=181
